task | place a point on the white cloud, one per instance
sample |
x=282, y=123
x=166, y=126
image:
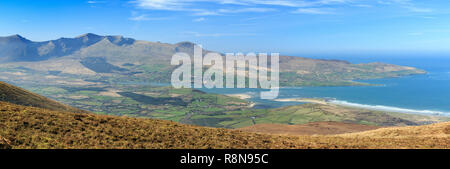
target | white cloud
x=95, y=2
x=205, y=13
x=189, y=5
x=407, y=4
x=417, y=9
x=224, y=7
x=243, y=10
x=161, y=4
x=316, y=11
x=197, y=34
x=145, y=17
x=199, y=19
x=363, y=5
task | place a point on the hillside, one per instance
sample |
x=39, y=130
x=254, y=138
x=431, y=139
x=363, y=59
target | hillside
x=28, y=127
x=93, y=59
x=313, y=128
x=307, y=113
x=439, y=130
x=191, y=106
x=158, y=102
x=16, y=95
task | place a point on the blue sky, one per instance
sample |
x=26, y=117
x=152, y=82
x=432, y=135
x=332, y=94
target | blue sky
x=307, y=27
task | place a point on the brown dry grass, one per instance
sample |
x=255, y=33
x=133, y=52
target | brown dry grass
x=28, y=127
x=314, y=128
x=16, y=95
x=4, y=143
x=439, y=130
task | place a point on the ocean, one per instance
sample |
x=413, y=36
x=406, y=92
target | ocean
x=417, y=94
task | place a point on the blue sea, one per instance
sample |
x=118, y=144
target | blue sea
x=417, y=94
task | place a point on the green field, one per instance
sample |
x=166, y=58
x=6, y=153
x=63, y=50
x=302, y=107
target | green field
x=195, y=107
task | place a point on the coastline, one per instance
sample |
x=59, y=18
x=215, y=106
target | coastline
x=368, y=107
x=303, y=100
x=242, y=96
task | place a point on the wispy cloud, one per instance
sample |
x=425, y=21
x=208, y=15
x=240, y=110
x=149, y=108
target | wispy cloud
x=417, y=9
x=363, y=5
x=407, y=4
x=225, y=7
x=173, y=5
x=96, y=2
x=202, y=12
x=195, y=9
x=144, y=17
x=186, y=4
x=428, y=17
x=315, y=11
x=199, y=19
x=243, y=10
x=197, y=34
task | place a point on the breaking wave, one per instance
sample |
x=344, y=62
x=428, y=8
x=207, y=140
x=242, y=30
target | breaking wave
x=389, y=108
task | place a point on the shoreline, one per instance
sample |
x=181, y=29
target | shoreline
x=366, y=106
x=242, y=96
x=391, y=109
x=303, y=100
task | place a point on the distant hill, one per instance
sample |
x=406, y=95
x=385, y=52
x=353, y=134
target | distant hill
x=28, y=127
x=94, y=58
x=16, y=95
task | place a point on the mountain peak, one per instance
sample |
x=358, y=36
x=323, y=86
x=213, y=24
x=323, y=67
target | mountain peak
x=185, y=44
x=88, y=35
x=17, y=37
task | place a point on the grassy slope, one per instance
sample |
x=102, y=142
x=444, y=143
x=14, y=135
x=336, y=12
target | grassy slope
x=21, y=96
x=321, y=128
x=303, y=114
x=439, y=130
x=193, y=107
x=28, y=127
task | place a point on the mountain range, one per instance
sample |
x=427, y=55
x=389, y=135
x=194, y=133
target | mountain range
x=104, y=59
x=18, y=48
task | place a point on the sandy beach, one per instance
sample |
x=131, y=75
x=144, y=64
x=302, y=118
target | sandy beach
x=241, y=96
x=303, y=100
